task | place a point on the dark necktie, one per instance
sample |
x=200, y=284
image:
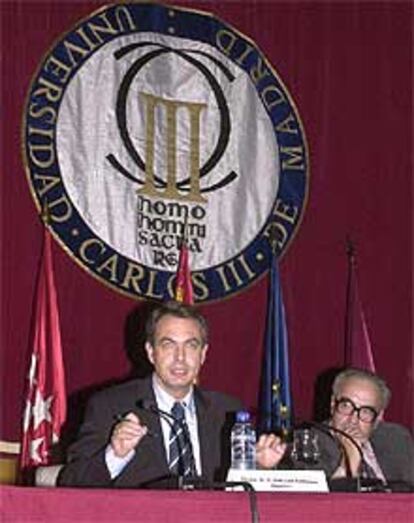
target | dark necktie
x=181, y=459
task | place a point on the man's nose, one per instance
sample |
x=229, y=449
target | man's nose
x=180, y=353
x=354, y=416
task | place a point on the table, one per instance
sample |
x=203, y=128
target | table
x=58, y=505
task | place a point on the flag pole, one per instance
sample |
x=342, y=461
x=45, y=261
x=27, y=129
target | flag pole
x=350, y=252
x=45, y=398
x=275, y=402
x=358, y=351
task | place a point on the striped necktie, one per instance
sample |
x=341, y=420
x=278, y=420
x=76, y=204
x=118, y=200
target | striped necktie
x=181, y=459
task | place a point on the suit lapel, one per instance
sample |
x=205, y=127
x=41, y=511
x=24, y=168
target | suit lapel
x=384, y=462
x=206, y=433
x=152, y=421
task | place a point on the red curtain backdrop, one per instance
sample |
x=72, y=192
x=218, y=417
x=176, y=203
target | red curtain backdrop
x=348, y=66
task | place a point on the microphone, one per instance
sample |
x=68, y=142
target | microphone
x=149, y=406
x=328, y=429
x=122, y=417
x=368, y=484
x=198, y=482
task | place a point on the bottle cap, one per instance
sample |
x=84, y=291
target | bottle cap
x=242, y=416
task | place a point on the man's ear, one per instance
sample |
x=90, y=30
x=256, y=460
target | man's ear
x=204, y=353
x=332, y=407
x=150, y=352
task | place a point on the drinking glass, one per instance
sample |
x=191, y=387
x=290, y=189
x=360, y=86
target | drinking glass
x=305, y=446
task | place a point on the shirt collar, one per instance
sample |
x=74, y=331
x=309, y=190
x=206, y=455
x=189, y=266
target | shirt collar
x=165, y=401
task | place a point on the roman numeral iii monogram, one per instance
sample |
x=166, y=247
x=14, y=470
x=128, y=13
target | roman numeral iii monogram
x=169, y=108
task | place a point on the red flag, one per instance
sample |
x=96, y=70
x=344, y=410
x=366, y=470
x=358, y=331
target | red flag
x=45, y=409
x=183, y=283
x=358, y=349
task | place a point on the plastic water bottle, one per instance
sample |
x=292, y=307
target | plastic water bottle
x=243, y=443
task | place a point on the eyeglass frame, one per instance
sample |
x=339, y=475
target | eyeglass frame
x=356, y=409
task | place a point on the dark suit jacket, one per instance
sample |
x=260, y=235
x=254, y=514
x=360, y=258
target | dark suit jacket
x=86, y=457
x=393, y=446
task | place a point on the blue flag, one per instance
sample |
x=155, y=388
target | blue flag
x=275, y=402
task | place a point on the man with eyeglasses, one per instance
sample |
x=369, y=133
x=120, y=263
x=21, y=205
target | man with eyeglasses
x=359, y=399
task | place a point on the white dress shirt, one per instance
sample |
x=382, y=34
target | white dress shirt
x=164, y=402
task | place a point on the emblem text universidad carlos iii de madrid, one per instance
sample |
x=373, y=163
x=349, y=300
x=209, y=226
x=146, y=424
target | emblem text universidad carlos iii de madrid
x=144, y=118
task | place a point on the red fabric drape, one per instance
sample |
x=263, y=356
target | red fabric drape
x=121, y=505
x=348, y=66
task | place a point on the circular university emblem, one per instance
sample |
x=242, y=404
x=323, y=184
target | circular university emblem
x=145, y=121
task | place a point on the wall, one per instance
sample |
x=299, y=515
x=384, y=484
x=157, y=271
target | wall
x=348, y=66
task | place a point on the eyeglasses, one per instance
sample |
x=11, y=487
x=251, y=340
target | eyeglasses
x=347, y=407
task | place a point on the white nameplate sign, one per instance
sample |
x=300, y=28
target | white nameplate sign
x=281, y=480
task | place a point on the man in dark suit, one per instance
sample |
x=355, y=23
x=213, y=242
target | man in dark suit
x=358, y=402
x=123, y=442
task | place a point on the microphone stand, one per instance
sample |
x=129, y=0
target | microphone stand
x=328, y=429
x=149, y=406
x=197, y=482
x=362, y=484
x=200, y=483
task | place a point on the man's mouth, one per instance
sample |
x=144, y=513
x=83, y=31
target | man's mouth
x=179, y=372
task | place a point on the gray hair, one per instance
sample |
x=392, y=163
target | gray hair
x=361, y=374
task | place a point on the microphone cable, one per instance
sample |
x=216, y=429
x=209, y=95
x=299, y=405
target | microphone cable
x=328, y=429
x=149, y=406
x=197, y=482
